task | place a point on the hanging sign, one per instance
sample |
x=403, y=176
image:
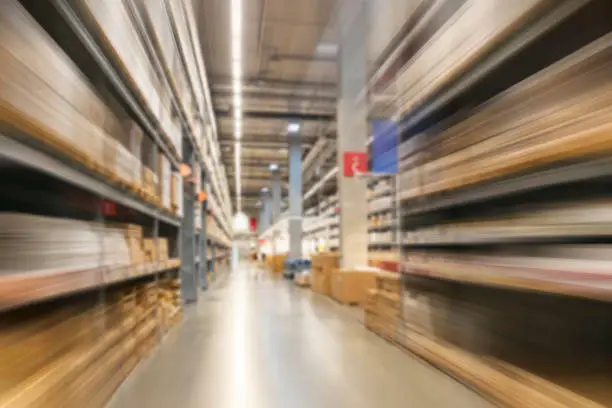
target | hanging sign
x=355, y=163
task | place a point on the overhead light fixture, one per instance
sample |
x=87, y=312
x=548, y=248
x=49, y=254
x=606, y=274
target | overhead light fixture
x=273, y=167
x=327, y=50
x=264, y=189
x=293, y=128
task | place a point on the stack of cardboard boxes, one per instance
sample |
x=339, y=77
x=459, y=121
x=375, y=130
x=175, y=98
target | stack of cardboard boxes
x=149, y=184
x=275, y=263
x=162, y=249
x=150, y=250
x=134, y=239
x=322, y=265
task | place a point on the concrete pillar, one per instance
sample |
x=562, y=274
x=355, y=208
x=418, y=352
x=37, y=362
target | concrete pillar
x=266, y=202
x=352, y=134
x=276, y=196
x=295, y=198
x=262, y=218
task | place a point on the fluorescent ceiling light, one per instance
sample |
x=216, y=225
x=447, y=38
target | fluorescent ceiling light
x=236, y=61
x=236, y=69
x=273, y=167
x=293, y=127
x=264, y=189
x=327, y=49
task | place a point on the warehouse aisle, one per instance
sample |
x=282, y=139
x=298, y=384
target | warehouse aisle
x=260, y=343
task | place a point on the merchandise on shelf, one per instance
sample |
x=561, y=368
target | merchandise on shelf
x=122, y=40
x=165, y=182
x=176, y=192
x=79, y=353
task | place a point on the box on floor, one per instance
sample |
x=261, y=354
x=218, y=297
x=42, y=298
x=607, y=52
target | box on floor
x=351, y=286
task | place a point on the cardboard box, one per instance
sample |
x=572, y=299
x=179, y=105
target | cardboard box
x=135, y=247
x=150, y=250
x=165, y=180
x=320, y=282
x=176, y=188
x=351, y=286
x=162, y=249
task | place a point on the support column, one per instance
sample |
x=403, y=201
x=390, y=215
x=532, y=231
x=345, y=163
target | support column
x=266, y=208
x=261, y=219
x=295, y=198
x=276, y=196
x=352, y=134
x=188, y=251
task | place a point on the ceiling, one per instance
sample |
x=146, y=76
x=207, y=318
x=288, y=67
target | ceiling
x=285, y=78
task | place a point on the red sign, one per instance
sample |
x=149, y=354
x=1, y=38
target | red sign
x=355, y=163
x=253, y=224
x=109, y=208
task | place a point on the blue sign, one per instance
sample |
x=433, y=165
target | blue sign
x=385, y=139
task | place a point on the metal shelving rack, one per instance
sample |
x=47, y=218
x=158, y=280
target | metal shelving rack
x=188, y=244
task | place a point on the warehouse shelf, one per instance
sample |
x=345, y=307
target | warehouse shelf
x=117, y=80
x=25, y=288
x=165, y=72
x=583, y=278
x=567, y=174
x=382, y=244
x=543, y=22
x=380, y=194
x=381, y=210
x=561, y=223
x=387, y=227
x=13, y=150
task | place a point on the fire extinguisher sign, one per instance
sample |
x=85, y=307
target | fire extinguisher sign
x=355, y=163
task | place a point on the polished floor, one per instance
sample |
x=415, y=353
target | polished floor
x=261, y=343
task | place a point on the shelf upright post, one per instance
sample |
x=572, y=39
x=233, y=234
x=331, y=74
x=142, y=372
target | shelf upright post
x=203, y=267
x=153, y=164
x=213, y=260
x=188, y=268
x=99, y=219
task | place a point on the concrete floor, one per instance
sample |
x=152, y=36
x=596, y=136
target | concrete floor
x=260, y=343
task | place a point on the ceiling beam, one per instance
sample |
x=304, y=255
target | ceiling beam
x=297, y=116
x=277, y=86
x=264, y=95
x=284, y=145
x=254, y=137
x=248, y=163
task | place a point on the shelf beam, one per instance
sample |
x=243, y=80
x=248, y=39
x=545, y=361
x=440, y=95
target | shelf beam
x=18, y=152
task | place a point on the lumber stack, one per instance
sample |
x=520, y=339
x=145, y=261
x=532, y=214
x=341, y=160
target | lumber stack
x=382, y=306
x=76, y=355
x=516, y=132
x=170, y=302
